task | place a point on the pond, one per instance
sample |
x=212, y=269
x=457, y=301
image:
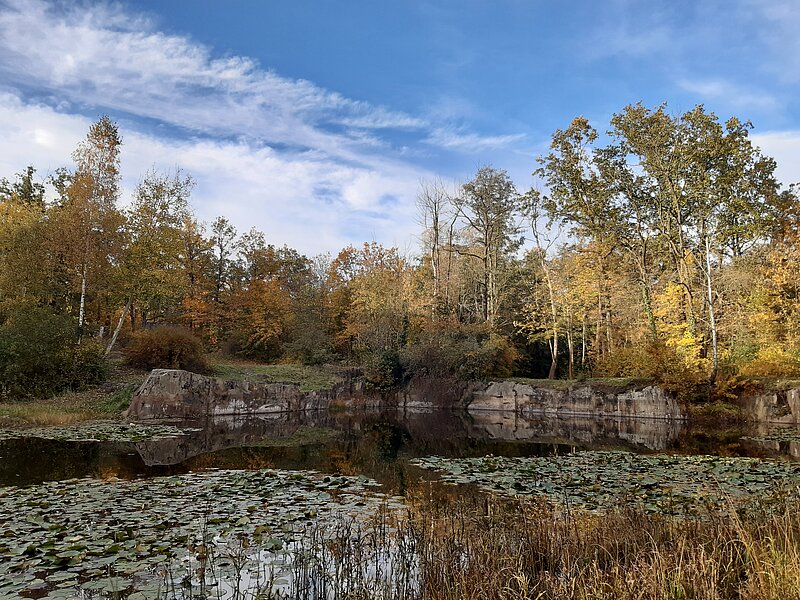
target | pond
x=234, y=508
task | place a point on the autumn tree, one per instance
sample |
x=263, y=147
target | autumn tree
x=488, y=205
x=87, y=217
x=152, y=274
x=27, y=269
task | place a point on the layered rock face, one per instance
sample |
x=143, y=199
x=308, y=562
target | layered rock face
x=175, y=394
x=584, y=400
x=781, y=406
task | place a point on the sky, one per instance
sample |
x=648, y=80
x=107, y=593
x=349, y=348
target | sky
x=315, y=121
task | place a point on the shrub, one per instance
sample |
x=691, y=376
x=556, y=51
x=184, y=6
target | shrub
x=39, y=354
x=463, y=351
x=166, y=348
x=772, y=361
x=384, y=371
x=657, y=362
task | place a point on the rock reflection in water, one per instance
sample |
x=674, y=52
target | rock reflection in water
x=375, y=443
x=416, y=433
x=652, y=434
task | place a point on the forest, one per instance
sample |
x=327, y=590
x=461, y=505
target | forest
x=657, y=246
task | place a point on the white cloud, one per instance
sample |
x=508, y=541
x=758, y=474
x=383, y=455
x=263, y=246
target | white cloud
x=308, y=166
x=731, y=94
x=457, y=139
x=304, y=200
x=284, y=155
x=784, y=147
x=121, y=63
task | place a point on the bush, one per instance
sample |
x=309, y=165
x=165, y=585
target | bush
x=657, y=362
x=39, y=354
x=463, y=351
x=772, y=361
x=384, y=371
x=166, y=348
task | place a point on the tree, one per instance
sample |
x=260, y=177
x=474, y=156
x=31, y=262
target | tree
x=489, y=207
x=437, y=217
x=713, y=193
x=602, y=198
x=88, y=215
x=675, y=193
x=24, y=190
x=223, y=237
x=153, y=280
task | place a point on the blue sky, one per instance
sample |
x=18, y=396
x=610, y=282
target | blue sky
x=315, y=121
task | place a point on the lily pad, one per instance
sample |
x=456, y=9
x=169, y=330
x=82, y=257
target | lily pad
x=99, y=431
x=594, y=480
x=116, y=536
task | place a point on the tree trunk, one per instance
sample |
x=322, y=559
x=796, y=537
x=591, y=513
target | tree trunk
x=711, y=316
x=554, y=317
x=583, y=344
x=82, y=309
x=570, y=346
x=648, y=304
x=117, y=329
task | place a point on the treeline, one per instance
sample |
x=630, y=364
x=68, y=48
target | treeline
x=663, y=248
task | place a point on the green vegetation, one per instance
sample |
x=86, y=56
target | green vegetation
x=92, y=403
x=663, y=484
x=39, y=354
x=309, y=378
x=679, y=269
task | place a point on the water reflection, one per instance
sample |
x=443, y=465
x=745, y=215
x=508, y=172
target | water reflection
x=374, y=443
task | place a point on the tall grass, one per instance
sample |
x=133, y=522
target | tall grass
x=478, y=547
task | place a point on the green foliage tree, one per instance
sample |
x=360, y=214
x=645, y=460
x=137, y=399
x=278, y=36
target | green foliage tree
x=489, y=206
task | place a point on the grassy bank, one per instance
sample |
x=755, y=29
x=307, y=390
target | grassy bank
x=308, y=378
x=104, y=401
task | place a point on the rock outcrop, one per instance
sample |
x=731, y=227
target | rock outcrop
x=579, y=399
x=779, y=406
x=176, y=394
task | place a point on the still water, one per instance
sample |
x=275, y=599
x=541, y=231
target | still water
x=243, y=507
x=377, y=444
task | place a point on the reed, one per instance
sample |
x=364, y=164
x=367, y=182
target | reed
x=478, y=547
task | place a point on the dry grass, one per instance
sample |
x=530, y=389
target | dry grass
x=506, y=550
x=475, y=547
x=99, y=402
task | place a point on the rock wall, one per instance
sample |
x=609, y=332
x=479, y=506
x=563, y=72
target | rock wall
x=584, y=400
x=175, y=394
x=782, y=406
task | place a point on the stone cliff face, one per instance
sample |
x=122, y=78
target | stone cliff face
x=585, y=400
x=782, y=406
x=173, y=394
